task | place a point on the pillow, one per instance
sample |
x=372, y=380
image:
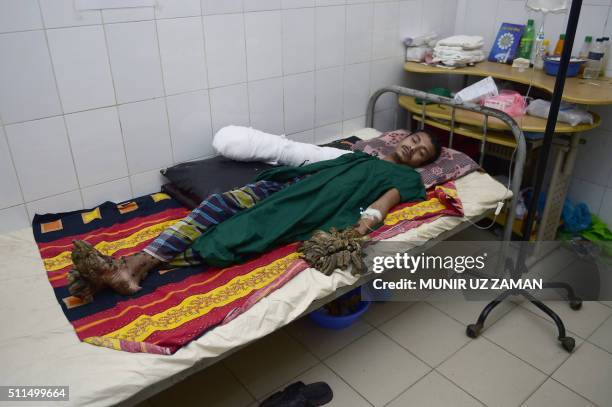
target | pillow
x=343, y=144
x=192, y=182
x=186, y=199
x=451, y=164
x=212, y=175
x=382, y=145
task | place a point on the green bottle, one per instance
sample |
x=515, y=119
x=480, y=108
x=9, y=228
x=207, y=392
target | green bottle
x=527, y=41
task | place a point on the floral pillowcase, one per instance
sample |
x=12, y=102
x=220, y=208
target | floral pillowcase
x=451, y=164
x=382, y=145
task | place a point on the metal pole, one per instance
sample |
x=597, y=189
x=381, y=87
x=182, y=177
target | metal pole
x=555, y=104
x=483, y=142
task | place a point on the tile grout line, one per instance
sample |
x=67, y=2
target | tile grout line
x=593, y=333
x=63, y=115
x=403, y=347
x=409, y=387
x=573, y=391
x=302, y=348
x=572, y=354
x=10, y=153
x=282, y=66
x=433, y=367
x=176, y=17
x=110, y=69
x=433, y=304
x=434, y=370
x=452, y=381
x=528, y=363
x=130, y=175
x=117, y=104
x=212, y=134
x=344, y=346
x=324, y=363
x=238, y=381
x=323, y=360
x=165, y=96
x=541, y=315
x=246, y=66
x=559, y=367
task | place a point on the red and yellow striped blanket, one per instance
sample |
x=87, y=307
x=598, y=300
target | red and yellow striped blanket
x=177, y=306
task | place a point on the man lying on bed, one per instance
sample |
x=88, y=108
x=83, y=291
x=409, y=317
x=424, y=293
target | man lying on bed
x=231, y=227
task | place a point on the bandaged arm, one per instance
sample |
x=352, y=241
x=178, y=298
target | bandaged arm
x=383, y=205
x=248, y=144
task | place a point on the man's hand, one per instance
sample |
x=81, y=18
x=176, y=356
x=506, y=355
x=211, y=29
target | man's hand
x=365, y=226
x=383, y=204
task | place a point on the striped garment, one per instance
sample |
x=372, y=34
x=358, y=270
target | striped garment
x=173, y=246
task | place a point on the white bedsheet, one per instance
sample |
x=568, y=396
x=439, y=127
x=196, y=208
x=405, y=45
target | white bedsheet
x=38, y=345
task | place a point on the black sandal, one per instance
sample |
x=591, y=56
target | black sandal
x=299, y=394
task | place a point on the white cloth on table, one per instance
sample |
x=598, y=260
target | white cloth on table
x=454, y=56
x=247, y=144
x=466, y=42
x=459, y=50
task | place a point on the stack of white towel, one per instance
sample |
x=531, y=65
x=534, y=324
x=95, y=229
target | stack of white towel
x=459, y=50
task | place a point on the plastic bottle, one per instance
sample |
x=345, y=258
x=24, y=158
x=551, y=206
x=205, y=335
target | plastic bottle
x=604, y=62
x=586, y=47
x=542, y=55
x=559, y=47
x=584, y=52
x=537, y=48
x=593, y=64
x=527, y=41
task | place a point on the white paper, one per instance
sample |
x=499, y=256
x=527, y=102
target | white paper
x=480, y=90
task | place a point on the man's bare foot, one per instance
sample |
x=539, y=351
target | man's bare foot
x=93, y=271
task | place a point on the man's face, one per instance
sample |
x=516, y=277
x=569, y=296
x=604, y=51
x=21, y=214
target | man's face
x=415, y=150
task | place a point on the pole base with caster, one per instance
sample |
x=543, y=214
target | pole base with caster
x=568, y=343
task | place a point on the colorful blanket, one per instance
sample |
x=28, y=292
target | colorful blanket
x=177, y=306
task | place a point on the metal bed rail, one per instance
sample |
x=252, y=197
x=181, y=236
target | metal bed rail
x=520, y=153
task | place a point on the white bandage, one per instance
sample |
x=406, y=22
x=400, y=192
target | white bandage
x=371, y=213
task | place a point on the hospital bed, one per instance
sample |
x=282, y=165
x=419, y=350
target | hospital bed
x=39, y=346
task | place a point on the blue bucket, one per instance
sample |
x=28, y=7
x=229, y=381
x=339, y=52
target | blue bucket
x=323, y=319
x=551, y=67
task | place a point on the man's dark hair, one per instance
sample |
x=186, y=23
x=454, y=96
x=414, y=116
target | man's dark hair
x=435, y=142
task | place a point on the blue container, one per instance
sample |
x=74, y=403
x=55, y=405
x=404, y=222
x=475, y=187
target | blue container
x=323, y=319
x=533, y=135
x=551, y=67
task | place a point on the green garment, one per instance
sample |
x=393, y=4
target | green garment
x=331, y=197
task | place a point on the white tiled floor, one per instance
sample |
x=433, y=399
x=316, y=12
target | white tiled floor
x=417, y=354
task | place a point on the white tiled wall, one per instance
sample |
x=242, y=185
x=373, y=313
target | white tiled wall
x=592, y=181
x=94, y=103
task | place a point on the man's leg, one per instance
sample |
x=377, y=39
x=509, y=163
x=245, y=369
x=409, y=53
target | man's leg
x=95, y=271
x=173, y=246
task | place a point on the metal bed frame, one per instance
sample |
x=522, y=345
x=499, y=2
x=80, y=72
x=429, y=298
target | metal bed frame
x=521, y=148
x=506, y=264
x=517, y=175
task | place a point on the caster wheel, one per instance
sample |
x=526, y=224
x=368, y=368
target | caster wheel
x=575, y=304
x=568, y=343
x=473, y=330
